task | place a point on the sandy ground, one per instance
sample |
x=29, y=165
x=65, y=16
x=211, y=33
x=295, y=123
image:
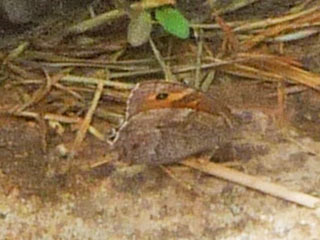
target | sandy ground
x=38, y=203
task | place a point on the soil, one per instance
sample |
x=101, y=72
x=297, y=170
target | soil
x=45, y=195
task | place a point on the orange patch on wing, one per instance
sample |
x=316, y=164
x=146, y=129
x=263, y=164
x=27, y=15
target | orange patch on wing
x=174, y=100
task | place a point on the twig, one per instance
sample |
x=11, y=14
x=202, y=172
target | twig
x=253, y=182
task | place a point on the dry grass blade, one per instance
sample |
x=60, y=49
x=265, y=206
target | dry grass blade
x=184, y=184
x=167, y=72
x=308, y=18
x=230, y=42
x=253, y=182
x=86, y=122
x=199, y=56
x=42, y=92
x=286, y=68
x=95, y=81
x=272, y=68
x=60, y=118
x=250, y=72
x=95, y=22
x=295, y=35
x=16, y=69
x=17, y=51
x=56, y=118
x=273, y=21
x=235, y=5
x=113, y=14
x=69, y=91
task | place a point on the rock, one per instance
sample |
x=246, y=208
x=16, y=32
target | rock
x=25, y=11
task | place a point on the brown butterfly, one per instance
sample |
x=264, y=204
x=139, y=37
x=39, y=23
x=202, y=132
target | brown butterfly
x=166, y=122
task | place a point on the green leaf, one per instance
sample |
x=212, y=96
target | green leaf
x=139, y=29
x=173, y=22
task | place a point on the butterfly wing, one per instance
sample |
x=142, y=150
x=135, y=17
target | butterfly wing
x=162, y=136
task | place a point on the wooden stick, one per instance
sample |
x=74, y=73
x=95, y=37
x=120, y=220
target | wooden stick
x=253, y=182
